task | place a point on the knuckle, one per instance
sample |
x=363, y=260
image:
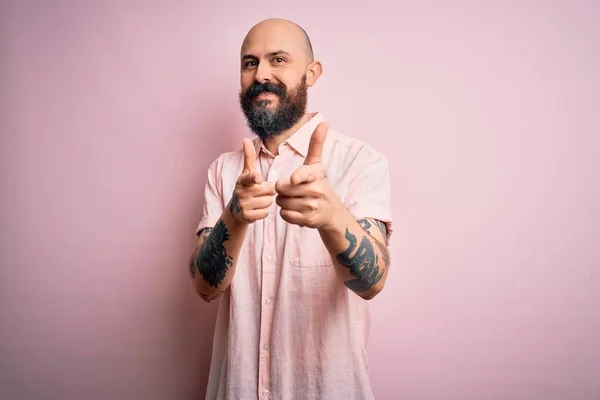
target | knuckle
x=320, y=188
x=268, y=190
x=314, y=190
x=241, y=192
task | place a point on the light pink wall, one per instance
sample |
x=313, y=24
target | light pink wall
x=111, y=112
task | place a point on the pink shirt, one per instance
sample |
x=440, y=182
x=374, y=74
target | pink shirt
x=287, y=327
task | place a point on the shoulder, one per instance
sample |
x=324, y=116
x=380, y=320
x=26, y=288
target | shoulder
x=352, y=149
x=227, y=162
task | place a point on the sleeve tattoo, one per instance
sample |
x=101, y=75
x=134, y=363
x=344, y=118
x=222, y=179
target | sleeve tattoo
x=366, y=265
x=367, y=226
x=211, y=260
x=234, y=205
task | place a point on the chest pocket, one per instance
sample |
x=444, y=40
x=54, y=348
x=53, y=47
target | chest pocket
x=308, y=248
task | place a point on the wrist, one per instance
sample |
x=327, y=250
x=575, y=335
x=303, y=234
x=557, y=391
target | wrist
x=338, y=221
x=237, y=222
x=235, y=219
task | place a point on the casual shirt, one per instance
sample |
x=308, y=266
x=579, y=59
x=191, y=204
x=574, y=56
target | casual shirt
x=288, y=327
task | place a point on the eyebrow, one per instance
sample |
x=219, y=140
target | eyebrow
x=271, y=54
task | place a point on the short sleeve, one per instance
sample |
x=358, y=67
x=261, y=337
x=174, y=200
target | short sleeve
x=213, y=200
x=369, y=193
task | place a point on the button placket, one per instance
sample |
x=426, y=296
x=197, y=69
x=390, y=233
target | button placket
x=269, y=271
x=268, y=274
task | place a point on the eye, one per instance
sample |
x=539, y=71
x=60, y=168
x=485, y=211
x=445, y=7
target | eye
x=278, y=60
x=249, y=64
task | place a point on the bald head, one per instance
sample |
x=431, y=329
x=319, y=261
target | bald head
x=282, y=33
x=277, y=68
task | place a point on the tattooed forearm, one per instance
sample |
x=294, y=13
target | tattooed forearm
x=363, y=262
x=194, y=258
x=367, y=226
x=192, y=264
x=381, y=227
x=234, y=205
x=211, y=259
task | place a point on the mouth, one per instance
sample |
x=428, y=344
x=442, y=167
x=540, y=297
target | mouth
x=264, y=99
x=266, y=96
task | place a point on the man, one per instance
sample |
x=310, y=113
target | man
x=293, y=236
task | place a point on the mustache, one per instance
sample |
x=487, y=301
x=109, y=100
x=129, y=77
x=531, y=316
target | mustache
x=266, y=87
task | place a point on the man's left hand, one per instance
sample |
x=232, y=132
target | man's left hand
x=307, y=198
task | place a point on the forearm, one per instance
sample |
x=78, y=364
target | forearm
x=361, y=261
x=212, y=266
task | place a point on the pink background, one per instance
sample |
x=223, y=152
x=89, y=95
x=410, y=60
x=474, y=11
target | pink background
x=111, y=112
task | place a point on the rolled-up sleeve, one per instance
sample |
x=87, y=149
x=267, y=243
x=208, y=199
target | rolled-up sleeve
x=369, y=193
x=213, y=200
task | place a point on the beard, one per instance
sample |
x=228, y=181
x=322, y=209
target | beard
x=267, y=123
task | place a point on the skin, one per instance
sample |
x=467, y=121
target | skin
x=277, y=50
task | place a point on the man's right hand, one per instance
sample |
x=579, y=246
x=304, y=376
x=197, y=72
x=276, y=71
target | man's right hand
x=252, y=196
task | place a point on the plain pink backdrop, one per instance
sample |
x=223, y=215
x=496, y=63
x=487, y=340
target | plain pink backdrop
x=111, y=111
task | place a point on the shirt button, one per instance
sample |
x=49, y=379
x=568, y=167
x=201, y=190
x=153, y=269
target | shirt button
x=265, y=392
x=269, y=258
x=266, y=347
x=269, y=215
x=275, y=173
x=268, y=302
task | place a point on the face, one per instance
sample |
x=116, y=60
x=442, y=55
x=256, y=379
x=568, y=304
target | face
x=275, y=76
x=272, y=108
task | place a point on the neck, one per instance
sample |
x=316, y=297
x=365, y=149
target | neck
x=272, y=144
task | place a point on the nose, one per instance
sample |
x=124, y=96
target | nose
x=263, y=73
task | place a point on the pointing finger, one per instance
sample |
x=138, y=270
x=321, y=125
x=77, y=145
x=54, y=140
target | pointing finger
x=315, y=148
x=249, y=156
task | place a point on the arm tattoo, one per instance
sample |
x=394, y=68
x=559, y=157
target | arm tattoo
x=363, y=264
x=383, y=228
x=234, y=205
x=367, y=226
x=192, y=265
x=205, y=232
x=211, y=259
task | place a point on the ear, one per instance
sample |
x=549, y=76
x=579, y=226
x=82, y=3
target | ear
x=313, y=72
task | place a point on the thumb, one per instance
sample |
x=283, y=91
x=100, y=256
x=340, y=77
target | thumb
x=315, y=148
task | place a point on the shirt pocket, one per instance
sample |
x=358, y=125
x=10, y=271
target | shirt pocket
x=308, y=249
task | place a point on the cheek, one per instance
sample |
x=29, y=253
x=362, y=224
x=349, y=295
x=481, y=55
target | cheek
x=246, y=80
x=288, y=77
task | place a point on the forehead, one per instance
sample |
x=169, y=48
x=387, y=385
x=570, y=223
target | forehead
x=262, y=41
